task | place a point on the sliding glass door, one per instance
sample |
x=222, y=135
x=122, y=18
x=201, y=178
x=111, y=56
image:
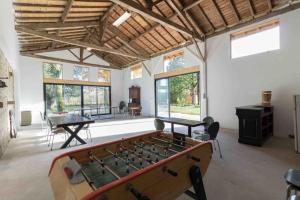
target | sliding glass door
x=103, y=100
x=162, y=97
x=94, y=100
x=178, y=96
x=90, y=100
x=53, y=95
x=72, y=97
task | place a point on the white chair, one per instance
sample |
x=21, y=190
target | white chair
x=43, y=120
x=87, y=129
x=55, y=131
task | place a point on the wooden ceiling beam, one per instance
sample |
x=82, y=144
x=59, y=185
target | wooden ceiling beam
x=112, y=63
x=75, y=42
x=251, y=9
x=219, y=12
x=149, y=4
x=91, y=54
x=192, y=5
x=277, y=10
x=30, y=51
x=157, y=2
x=58, y=25
x=102, y=28
x=186, y=16
x=206, y=18
x=67, y=61
x=135, y=7
x=74, y=54
x=235, y=11
x=67, y=9
x=157, y=32
x=103, y=23
x=123, y=39
x=269, y=2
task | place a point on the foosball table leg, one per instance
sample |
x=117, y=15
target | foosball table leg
x=197, y=182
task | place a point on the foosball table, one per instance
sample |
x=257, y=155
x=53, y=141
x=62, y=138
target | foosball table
x=153, y=166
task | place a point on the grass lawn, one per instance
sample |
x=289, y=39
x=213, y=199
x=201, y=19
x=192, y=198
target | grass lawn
x=187, y=109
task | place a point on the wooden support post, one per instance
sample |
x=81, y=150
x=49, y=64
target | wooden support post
x=78, y=58
x=81, y=54
x=148, y=71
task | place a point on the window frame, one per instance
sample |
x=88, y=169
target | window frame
x=136, y=66
x=88, y=73
x=82, y=97
x=62, y=70
x=251, y=31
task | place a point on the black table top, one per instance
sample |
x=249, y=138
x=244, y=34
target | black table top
x=69, y=120
x=184, y=122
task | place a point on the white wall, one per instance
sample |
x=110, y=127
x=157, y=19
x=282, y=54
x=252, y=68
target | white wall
x=31, y=87
x=238, y=82
x=155, y=65
x=9, y=45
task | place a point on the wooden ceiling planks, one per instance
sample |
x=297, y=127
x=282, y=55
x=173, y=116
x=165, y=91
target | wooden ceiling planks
x=151, y=30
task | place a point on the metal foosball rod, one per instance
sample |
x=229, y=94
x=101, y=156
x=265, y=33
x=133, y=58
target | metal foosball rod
x=165, y=169
x=106, y=167
x=121, y=159
x=91, y=183
x=168, y=139
x=169, y=147
x=142, y=156
x=169, y=142
x=159, y=146
x=145, y=148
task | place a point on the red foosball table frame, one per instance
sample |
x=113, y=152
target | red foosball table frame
x=164, y=180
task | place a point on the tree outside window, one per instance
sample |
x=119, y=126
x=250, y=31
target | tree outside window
x=173, y=61
x=81, y=73
x=52, y=70
x=104, y=75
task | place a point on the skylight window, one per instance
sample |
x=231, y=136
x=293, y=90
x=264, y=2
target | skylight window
x=257, y=40
x=122, y=19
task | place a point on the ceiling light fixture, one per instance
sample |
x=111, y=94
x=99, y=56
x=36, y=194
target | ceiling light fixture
x=122, y=19
x=89, y=49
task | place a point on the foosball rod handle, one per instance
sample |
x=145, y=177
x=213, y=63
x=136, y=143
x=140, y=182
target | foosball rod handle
x=136, y=193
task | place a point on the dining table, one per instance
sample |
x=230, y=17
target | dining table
x=184, y=122
x=72, y=124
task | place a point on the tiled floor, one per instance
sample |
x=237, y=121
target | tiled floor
x=246, y=172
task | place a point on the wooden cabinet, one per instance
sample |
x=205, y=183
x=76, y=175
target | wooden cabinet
x=255, y=124
x=134, y=105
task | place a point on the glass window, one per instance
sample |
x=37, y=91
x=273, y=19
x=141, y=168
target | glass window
x=136, y=71
x=257, y=40
x=93, y=100
x=81, y=73
x=178, y=96
x=103, y=75
x=54, y=100
x=173, y=61
x=52, y=70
